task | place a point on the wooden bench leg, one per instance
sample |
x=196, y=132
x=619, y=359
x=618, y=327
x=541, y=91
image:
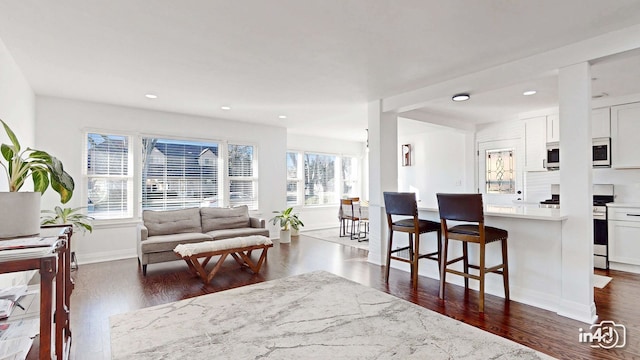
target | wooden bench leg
x=242, y=257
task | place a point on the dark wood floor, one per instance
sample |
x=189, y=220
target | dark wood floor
x=109, y=288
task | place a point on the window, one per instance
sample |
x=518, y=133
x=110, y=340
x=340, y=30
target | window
x=179, y=174
x=295, y=184
x=109, y=176
x=500, y=175
x=350, y=177
x=320, y=185
x=243, y=182
x=321, y=179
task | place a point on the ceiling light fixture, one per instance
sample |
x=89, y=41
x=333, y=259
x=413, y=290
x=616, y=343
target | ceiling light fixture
x=460, y=97
x=225, y=107
x=151, y=96
x=529, y=92
x=282, y=116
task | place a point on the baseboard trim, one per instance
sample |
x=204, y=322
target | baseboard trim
x=106, y=256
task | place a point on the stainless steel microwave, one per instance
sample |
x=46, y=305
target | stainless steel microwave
x=601, y=152
x=553, y=156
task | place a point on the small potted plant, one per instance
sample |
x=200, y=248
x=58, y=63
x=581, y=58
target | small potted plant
x=287, y=221
x=69, y=216
x=20, y=211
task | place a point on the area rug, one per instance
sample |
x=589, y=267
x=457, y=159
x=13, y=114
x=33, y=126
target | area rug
x=600, y=281
x=333, y=235
x=310, y=316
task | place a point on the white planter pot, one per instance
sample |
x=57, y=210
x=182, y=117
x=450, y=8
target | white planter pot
x=19, y=214
x=285, y=236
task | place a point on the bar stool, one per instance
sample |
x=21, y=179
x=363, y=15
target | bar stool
x=405, y=204
x=468, y=208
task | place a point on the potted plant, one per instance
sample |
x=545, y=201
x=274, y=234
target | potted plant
x=20, y=211
x=287, y=220
x=69, y=216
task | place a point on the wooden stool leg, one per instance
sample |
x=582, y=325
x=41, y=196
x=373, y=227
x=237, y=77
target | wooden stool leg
x=443, y=265
x=411, y=254
x=505, y=269
x=482, y=275
x=465, y=263
x=386, y=277
x=414, y=263
x=439, y=244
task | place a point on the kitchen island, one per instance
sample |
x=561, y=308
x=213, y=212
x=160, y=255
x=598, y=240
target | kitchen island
x=534, y=251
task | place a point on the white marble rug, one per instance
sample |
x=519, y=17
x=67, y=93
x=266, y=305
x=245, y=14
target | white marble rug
x=333, y=235
x=600, y=281
x=316, y=315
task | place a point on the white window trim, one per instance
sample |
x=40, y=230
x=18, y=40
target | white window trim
x=131, y=178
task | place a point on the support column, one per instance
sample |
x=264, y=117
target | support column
x=383, y=175
x=576, y=193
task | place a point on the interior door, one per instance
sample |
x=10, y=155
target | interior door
x=500, y=171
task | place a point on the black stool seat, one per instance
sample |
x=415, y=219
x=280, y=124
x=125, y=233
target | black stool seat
x=424, y=225
x=491, y=234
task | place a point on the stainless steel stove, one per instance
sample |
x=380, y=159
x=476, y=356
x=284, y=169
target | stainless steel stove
x=602, y=194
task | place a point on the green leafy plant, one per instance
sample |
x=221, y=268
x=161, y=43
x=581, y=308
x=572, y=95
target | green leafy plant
x=43, y=168
x=59, y=215
x=287, y=219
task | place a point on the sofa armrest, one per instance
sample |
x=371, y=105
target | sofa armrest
x=143, y=232
x=257, y=223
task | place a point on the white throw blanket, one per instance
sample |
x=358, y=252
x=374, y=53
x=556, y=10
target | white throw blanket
x=224, y=244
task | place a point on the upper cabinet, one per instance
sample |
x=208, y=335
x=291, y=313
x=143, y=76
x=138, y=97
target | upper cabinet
x=625, y=127
x=600, y=123
x=535, y=143
x=553, y=128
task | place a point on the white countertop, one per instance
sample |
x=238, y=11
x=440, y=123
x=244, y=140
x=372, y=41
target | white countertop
x=622, y=204
x=532, y=212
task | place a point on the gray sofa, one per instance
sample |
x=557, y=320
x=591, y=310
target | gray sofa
x=161, y=231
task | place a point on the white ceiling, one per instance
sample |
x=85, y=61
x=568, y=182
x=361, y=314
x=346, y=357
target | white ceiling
x=319, y=62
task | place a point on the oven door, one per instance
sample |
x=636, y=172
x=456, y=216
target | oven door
x=600, y=244
x=601, y=152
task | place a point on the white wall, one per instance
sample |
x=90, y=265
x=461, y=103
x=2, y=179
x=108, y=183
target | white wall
x=17, y=110
x=442, y=161
x=320, y=217
x=60, y=129
x=16, y=104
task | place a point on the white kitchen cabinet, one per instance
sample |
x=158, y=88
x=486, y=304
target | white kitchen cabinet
x=624, y=235
x=553, y=128
x=625, y=127
x=600, y=123
x=535, y=143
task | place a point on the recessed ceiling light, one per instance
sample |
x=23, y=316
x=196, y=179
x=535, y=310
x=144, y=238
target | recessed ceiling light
x=151, y=96
x=529, y=92
x=225, y=107
x=282, y=116
x=460, y=97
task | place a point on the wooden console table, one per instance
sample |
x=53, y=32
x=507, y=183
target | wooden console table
x=52, y=266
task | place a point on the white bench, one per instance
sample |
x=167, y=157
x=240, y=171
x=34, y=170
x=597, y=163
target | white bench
x=239, y=248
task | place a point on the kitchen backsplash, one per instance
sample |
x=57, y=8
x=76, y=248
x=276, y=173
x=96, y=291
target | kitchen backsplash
x=626, y=184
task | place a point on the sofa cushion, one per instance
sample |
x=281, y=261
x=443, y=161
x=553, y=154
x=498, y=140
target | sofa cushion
x=172, y=221
x=229, y=233
x=224, y=218
x=162, y=243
